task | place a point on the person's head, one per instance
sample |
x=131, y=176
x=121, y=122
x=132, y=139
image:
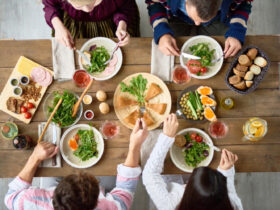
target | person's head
x=84, y=5
x=206, y=189
x=76, y=192
x=201, y=11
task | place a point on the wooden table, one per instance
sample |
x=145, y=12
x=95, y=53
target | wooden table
x=263, y=156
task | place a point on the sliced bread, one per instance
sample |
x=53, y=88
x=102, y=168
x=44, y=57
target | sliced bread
x=234, y=79
x=252, y=53
x=255, y=69
x=260, y=61
x=249, y=75
x=249, y=83
x=239, y=73
x=241, y=85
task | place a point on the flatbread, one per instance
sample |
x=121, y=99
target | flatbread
x=125, y=101
x=159, y=108
x=153, y=91
x=132, y=117
x=148, y=119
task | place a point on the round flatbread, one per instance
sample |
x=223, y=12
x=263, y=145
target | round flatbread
x=47, y=81
x=38, y=74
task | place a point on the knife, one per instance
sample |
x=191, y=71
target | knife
x=54, y=142
x=186, y=55
x=83, y=56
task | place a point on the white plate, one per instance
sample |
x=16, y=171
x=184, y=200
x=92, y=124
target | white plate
x=213, y=44
x=177, y=155
x=67, y=153
x=109, y=45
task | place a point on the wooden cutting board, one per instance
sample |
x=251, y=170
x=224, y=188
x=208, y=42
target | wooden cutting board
x=23, y=67
x=164, y=97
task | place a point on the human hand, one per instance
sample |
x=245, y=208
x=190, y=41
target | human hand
x=232, y=46
x=170, y=125
x=62, y=34
x=122, y=33
x=167, y=45
x=138, y=135
x=44, y=150
x=227, y=160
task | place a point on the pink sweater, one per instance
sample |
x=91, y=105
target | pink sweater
x=21, y=195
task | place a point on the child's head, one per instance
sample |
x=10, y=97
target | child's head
x=202, y=10
x=206, y=189
x=84, y=5
x=76, y=192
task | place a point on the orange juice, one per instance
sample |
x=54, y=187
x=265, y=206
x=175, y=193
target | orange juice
x=254, y=129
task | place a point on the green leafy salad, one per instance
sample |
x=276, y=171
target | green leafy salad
x=63, y=116
x=136, y=87
x=98, y=57
x=203, y=51
x=196, y=150
x=87, y=146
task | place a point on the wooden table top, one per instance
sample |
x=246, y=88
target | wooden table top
x=262, y=156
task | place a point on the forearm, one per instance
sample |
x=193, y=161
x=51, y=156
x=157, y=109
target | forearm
x=28, y=171
x=56, y=22
x=133, y=157
x=122, y=25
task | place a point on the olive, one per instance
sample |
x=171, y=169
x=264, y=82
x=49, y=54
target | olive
x=205, y=153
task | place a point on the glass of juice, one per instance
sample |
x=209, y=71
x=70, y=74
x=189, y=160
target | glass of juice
x=180, y=75
x=254, y=129
x=109, y=129
x=81, y=78
x=218, y=129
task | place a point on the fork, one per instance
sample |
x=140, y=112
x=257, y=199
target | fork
x=218, y=59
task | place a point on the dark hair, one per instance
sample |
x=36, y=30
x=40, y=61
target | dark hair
x=76, y=192
x=206, y=9
x=206, y=189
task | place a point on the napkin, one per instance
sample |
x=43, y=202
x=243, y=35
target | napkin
x=161, y=65
x=63, y=61
x=52, y=135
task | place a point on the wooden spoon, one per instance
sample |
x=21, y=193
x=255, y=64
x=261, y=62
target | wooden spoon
x=77, y=104
x=49, y=120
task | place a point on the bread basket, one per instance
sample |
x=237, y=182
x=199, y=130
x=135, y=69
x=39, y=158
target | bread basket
x=257, y=78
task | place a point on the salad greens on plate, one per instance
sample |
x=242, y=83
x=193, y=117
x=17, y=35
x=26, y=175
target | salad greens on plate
x=98, y=57
x=203, y=51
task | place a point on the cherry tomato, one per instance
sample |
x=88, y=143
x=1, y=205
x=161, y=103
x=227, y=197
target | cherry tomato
x=203, y=70
x=30, y=105
x=198, y=138
x=27, y=115
x=77, y=137
x=193, y=136
x=23, y=109
x=194, y=66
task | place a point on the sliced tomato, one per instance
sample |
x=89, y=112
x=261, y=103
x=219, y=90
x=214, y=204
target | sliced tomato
x=77, y=137
x=193, y=135
x=203, y=70
x=23, y=109
x=194, y=66
x=198, y=138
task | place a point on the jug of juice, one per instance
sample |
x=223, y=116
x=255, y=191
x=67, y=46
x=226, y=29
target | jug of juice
x=254, y=129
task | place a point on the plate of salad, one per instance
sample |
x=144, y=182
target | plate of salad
x=82, y=146
x=192, y=148
x=63, y=116
x=208, y=49
x=98, y=50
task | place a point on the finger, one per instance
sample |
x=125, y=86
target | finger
x=166, y=51
x=67, y=41
x=234, y=52
x=55, y=151
x=144, y=125
x=172, y=50
x=235, y=158
x=136, y=126
x=226, y=46
x=175, y=45
x=225, y=156
x=229, y=52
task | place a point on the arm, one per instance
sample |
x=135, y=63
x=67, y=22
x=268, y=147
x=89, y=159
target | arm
x=52, y=9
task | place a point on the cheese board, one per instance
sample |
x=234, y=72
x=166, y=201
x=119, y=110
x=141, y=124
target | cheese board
x=25, y=89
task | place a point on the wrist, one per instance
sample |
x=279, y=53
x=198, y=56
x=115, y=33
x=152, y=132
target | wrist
x=34, y=160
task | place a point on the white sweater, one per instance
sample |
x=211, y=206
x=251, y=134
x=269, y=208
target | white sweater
x=168, y=196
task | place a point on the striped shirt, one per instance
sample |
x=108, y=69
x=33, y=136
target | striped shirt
x=21, y=195
x=234, y=13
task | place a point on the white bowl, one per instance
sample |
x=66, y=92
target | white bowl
x=177, y=155
x=109, y=45
x=213, y=44
x=67, y=153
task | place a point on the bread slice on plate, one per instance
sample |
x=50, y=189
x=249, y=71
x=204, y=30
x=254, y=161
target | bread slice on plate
x=249, y=75
x=241, y=85
x=241, y=68
x=234, y=79
x=244, y=60
x=249, y=83
x=255, y=69
x=260, y=61
x=159, y=108
x=148, y=119
x=153, y=91
x=252, y=53
x=239, y=73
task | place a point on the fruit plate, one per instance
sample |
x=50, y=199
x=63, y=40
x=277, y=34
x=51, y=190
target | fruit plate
x=177, y=155
x=257, y=78
x=67, y=153
x=179, y=111
x=212, y=70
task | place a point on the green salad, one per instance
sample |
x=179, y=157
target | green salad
x=98, y=57
x=87, y=146
x=195, y=151
x=203, y=51
x=63, y=116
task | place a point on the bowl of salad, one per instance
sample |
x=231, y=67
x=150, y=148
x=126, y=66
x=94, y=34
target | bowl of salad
x=98, y=50
x=192, y=148
x=63, y=116
x=81, y=146
x=208, y=49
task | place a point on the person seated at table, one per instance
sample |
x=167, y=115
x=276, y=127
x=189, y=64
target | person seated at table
x=214, y=17
x=206, y=188
x=77, y=191
x=71, y=19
